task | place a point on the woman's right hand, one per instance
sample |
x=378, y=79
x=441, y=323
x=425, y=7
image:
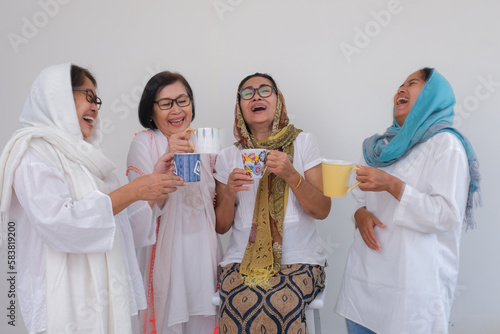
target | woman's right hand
x=165, y=164
x=154, y=187
x=178, y=142
x=237, y=181
x=365, y=222
x=226, y=197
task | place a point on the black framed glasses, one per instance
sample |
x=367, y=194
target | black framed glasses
x=91, y=97
x=166, y=104
x=263, y=90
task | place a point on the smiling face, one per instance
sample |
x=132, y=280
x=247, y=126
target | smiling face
x=86, y=111
x=258, y=111
x=407, y=95
x=175, y=119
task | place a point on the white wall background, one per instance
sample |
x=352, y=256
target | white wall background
x=337, y=62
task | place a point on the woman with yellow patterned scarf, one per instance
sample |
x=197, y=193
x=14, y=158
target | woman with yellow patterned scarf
x=274, y=265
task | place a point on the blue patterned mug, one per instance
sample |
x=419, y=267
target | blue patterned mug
x=187, y=166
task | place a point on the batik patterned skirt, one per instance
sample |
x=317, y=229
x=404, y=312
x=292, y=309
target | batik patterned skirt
x=279, y=309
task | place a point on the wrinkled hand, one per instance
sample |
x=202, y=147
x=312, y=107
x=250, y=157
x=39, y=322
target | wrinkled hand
x=155, y=187
x=372, y=179
x=366, y=222
x=178, y=142
x=165, y=165
x=278, y=163
x=237, y=181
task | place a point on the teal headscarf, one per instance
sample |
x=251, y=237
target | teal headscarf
x=432, y=113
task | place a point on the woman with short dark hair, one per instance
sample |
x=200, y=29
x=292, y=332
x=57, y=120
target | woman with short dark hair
x=180, y=269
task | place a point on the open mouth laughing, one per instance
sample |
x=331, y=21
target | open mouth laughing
x=258, y=107
x=402, y=100
x=89, y=119
x=177, y=122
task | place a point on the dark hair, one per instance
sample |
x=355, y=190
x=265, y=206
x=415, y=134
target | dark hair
x=257, y=74
x=426, y=73
x=154, y=85
x=78, y=75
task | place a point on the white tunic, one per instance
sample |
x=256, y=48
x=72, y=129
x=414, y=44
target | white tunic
x=301, y=243
x=408, y=286
x=185, y=271
x=45, y=214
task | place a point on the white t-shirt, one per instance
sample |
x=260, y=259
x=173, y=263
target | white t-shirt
x=300, y=240
x=408, y=286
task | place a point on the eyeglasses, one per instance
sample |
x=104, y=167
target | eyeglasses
x=91, y=97
x=249, y=92
x=166, y=104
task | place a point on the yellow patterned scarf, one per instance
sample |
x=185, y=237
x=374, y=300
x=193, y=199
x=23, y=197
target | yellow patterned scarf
x=262, y=257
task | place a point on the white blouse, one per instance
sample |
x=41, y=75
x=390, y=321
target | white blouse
x=408, y=286
x=45, y=215
x=300, y=241
x=187, y=249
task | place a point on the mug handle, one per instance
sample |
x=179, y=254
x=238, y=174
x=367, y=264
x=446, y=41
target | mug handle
x=193, y=131
x=357, y=184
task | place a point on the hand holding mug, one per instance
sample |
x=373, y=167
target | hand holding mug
x=153, y=187
x=165, y=165
x=278, y=163
x=374, y=179
x=237, y=181
x=179, y=142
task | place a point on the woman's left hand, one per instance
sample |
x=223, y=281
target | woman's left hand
x=374, y=179
x=278, y=163
x=165, y=165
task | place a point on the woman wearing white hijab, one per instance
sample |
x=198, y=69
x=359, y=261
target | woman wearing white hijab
x=75, y=227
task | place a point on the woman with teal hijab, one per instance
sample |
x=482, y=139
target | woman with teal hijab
x=415, y=195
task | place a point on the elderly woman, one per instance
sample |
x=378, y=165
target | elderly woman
x=412, y=202
x=76, y=229
x=180, y=270
x=273, y=267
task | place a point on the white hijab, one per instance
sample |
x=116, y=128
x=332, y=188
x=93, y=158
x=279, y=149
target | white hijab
x=51, y=127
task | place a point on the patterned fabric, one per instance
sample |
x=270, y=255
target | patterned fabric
x=279, y=309
x=263, y=254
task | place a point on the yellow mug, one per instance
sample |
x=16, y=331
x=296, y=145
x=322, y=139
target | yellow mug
x=336, y=175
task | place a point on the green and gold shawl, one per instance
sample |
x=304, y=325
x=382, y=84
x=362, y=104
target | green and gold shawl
x=262, y=257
